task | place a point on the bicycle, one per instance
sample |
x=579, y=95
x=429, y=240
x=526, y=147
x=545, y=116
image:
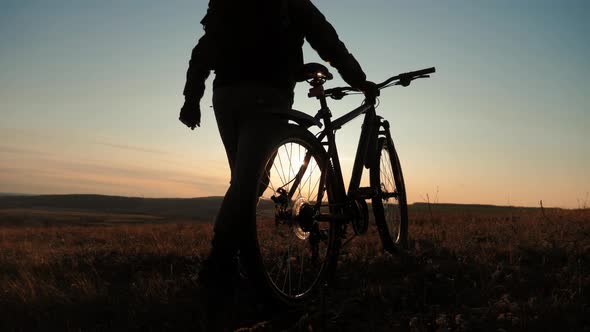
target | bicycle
x=303, y=209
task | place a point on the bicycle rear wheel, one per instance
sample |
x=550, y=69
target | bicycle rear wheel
x=390, y=205
x=293, y=248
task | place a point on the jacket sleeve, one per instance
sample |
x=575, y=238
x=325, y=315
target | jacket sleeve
x=199, y=67
x=323, y=38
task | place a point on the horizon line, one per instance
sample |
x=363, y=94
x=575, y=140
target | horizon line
x=8, y=194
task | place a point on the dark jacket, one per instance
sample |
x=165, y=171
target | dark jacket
x=260, y=42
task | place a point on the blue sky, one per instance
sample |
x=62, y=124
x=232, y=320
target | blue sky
x=90, y=90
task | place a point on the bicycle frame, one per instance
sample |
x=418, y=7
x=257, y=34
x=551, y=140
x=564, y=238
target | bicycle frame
x=373, y=126
x=366, y=148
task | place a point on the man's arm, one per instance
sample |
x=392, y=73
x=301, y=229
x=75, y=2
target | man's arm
x=199, y=67
x=322, y=37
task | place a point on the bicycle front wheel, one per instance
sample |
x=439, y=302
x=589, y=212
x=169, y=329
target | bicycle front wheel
x=390, y=205
x=294, y=247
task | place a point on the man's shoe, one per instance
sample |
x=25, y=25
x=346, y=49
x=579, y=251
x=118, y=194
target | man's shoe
x=217, y=282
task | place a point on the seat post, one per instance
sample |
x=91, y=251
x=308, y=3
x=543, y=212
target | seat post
x=317, y=91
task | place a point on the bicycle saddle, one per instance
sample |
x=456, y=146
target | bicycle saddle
x=311, y=71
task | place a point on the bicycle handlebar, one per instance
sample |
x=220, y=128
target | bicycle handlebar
x=421, y=72
x=403, y=79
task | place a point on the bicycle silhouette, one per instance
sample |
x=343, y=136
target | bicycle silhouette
x=303, y=209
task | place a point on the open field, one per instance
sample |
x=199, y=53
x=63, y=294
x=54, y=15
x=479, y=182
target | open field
x=467, y=270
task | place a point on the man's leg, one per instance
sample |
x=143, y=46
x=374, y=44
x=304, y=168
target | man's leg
x=218, y=269
x=244, y=128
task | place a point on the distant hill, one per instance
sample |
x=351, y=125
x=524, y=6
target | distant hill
x=202, y=207
x=12, y=194
x=470, y=208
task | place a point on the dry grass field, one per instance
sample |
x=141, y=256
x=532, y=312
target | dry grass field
x=467, y=270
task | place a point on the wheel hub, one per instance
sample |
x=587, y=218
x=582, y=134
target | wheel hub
x=304, y=216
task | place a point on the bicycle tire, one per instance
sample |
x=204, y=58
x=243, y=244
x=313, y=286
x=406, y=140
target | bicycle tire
x=390, y=204
x=276, y=235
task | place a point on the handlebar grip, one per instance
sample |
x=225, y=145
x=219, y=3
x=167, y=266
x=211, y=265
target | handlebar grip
x=420, y=72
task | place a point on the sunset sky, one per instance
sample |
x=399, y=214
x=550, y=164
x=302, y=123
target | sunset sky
x=90, y=93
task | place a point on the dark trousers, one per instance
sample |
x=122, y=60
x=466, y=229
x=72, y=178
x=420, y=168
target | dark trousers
x=246, y=117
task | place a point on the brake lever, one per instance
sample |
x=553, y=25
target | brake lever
x=338, y=95
x=404, y=81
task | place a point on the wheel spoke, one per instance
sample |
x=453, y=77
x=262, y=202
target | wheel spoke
x=290, y=170
x=279, y=173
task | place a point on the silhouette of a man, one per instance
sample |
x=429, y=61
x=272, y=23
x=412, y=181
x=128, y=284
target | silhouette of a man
x=255, y=49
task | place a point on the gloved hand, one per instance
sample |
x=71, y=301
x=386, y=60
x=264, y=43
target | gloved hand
x=370, y=90
x=190, y=113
